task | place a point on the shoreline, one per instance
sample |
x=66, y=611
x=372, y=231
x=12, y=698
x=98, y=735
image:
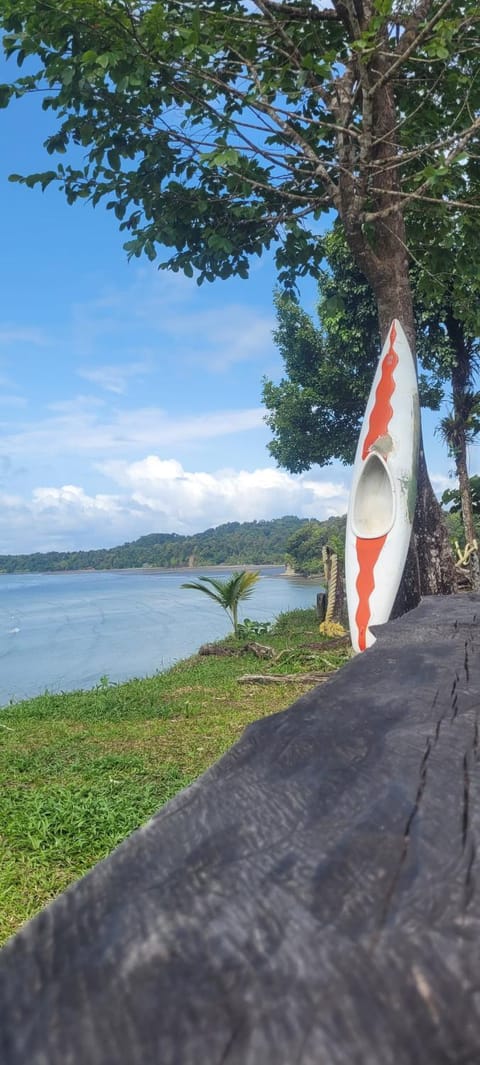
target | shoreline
x=218, y=567
x=66, y=634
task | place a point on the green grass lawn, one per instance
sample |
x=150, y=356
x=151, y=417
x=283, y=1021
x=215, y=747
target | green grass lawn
x=80, y=771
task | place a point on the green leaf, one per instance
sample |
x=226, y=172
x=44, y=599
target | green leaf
x=67, y=75
x=114, y=159
x=6, y=93
x=196, y=21
x=46, y=179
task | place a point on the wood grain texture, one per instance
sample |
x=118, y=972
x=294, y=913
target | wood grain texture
x=314, y=899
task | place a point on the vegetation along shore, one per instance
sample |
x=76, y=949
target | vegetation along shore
x=232, y=544
x=80, y=771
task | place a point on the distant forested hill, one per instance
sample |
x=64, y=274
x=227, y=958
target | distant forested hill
x=305, y=545
x=254, y=542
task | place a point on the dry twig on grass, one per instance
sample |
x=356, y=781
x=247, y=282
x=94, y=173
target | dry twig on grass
x=283, y=678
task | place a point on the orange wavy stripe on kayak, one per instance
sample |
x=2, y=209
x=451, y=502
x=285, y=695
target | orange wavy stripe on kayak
x=368, y=552
x=382, y=408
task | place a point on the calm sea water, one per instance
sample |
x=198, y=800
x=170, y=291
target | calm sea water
x=61, y=631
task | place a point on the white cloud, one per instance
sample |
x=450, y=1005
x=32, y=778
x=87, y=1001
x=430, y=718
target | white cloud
x=77, y=406
x=222, y=337
x=114, y=378
x=226, y=495
x=10, y=395
x=61, y=519
x=81, y=427
x=158, y=494
x=173, y=316
x=72, y=498
x=17, y=334
x=7, y=400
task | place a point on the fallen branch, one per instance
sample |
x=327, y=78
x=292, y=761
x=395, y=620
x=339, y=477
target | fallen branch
x=261, y=650
x=216, y=649
x=300, y=654
x=283, y=678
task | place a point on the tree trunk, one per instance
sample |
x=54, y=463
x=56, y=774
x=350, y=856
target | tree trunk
x=465, y=496
x=430, y=567
x=467, y=514
x=461, y=382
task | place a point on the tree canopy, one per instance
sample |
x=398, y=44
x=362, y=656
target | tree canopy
x=451, y=497
x=305, y=546
x=214, y=127
x=316, y=410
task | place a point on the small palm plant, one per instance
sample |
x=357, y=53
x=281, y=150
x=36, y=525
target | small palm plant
x=228, y=593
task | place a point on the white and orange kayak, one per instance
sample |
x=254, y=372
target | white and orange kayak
x=383, y=493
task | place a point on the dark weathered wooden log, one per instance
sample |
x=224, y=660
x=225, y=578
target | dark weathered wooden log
x=321, y=606
x=314, y=899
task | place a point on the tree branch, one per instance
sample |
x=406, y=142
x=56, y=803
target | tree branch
x=410, y=39
x=293, y=52
x=302, y=14
x=404, y=198
x=292, y=135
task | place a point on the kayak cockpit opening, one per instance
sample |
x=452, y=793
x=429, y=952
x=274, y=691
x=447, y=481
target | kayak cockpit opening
x=374, y=503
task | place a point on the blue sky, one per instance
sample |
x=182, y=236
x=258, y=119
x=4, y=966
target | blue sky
x=130, y=398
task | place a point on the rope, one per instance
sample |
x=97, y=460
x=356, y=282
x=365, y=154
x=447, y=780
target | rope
x=463, y=556
x=330, y=567
x=332, y=588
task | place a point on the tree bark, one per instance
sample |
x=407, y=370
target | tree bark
x=461, y=383
x=430, y=568
x=467, y=516
x=383, y=259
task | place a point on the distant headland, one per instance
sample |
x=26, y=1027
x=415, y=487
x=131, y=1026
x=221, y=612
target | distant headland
x=289, y=540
